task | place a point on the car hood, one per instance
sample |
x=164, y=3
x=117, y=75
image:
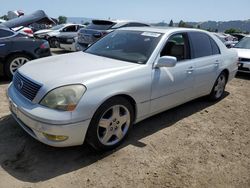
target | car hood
x=243, y=53
x=71, y=68
x=36, y=17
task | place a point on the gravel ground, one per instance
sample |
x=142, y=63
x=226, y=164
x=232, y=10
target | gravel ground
x=198, y=144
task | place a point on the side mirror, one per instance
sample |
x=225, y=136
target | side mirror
x=166, y=61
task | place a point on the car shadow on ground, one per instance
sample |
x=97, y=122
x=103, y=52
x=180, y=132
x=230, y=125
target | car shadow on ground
x=241, y=75
x=4, y=80
x=31, y=161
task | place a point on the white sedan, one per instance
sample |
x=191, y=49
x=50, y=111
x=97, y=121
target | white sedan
x=243, y=49
x=125, y=77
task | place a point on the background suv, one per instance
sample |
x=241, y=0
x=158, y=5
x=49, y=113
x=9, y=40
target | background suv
x=99, y=28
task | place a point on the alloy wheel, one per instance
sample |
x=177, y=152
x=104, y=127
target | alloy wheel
x=113, y=125
x=220, y=86
x=16, y=63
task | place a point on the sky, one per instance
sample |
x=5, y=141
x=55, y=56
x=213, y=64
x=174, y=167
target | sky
x=141, y=10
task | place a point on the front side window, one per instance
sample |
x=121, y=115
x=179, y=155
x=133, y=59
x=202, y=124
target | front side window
x=131, y=46
x=215, y=48
x=5, y=33
x=72, y=28
x=201, y=44
x=177, y=46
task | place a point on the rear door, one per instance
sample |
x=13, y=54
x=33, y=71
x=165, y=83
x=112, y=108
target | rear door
x=206, y=56
x=5, y=44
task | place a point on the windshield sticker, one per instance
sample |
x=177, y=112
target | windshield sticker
x=151, y=34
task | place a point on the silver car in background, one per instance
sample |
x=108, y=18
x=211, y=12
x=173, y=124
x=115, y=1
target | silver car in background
x=123, y=78
x=243, y=49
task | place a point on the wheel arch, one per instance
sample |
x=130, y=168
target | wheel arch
x=129, y=98
x=226, y=71
x=19, y=52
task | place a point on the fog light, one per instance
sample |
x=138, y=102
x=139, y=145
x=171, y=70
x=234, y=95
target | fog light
x=57, y=138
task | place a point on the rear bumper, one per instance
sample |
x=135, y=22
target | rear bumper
x=43, y=53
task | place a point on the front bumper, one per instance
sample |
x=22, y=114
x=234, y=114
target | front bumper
x=75, y=132
x=244, y=66
x=68, y=47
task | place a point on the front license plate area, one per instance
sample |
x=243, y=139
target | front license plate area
x=13, y=108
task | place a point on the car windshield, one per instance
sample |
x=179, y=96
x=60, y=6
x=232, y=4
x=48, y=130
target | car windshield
x=244, y=43
x=131, y=46
x=57, y=27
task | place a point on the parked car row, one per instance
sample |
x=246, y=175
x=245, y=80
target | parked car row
x=74, y=37
x=16, y=48
x=227, y=39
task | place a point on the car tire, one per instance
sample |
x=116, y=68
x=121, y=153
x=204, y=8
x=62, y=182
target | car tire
x=110, y=124
x=52, y=42
x=219, y=87
x=14, y=62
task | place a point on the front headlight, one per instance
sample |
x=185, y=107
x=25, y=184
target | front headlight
x=64, y=98
x=70, y=40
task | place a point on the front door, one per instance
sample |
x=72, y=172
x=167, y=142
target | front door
x=172, y=86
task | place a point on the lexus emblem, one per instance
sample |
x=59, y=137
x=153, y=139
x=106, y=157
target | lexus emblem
x=20, y=84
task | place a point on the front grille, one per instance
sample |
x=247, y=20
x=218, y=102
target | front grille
x=244, y=59
x=62, y=40
x=243, y=69
x=25, y=86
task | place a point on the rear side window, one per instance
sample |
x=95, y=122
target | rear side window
x=215, y=48
x=100, y=25
x=72, y=28
x=5, y=33
x=201, y=45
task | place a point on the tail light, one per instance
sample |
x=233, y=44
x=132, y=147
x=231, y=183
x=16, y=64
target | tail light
x=28, y=31
x=104, y=33
x=44, y=45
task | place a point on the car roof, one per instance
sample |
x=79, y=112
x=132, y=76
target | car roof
x=119, y=22
x=69, y=24
x=160, y=29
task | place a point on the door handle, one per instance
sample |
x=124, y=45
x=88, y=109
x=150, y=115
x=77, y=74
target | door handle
x=2, y=45
x=190, y=70
x=216, y=64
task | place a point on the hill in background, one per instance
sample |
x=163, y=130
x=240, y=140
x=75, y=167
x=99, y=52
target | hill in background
x=208, y=25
